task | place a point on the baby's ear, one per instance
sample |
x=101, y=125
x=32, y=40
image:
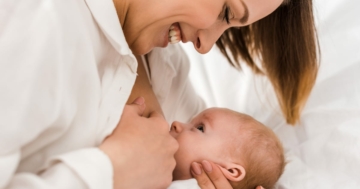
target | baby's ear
x=233, y=172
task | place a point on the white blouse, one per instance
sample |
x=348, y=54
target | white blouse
x=66, y=72
x=169, y=76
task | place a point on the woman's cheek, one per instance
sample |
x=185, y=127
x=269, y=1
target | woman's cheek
x=203, y=22
x=203, y=16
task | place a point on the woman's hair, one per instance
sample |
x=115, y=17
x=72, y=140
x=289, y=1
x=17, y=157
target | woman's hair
x=285, y=42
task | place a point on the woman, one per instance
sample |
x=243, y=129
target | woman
x=67, y=69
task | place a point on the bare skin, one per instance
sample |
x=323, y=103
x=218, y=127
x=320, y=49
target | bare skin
x=143, y=88
x=209, y=178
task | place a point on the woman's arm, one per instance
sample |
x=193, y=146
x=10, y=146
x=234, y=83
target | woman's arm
x=143, y=88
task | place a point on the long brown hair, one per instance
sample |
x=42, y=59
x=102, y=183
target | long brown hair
x=285, y=42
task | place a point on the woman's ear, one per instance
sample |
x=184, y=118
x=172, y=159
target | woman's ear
x=233, y=172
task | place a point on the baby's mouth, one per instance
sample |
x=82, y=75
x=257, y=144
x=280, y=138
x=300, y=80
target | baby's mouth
x=174, y=33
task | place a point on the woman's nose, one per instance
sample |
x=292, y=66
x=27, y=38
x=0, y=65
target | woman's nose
x=203, y=46
x=176, y=127
x=207, y=38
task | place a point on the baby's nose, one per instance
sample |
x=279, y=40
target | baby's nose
x=176, y=127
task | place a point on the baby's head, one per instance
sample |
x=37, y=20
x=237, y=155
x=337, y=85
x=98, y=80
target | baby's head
x=248, y=153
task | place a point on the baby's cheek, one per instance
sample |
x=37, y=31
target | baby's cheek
x=183, y=158
x=182, y=169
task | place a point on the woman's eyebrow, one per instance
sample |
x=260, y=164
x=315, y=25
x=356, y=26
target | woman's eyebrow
x=245, y=17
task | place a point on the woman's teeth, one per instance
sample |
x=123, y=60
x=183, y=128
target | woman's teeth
x=174, y=35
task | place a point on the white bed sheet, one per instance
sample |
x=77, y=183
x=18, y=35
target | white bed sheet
x=323, y=150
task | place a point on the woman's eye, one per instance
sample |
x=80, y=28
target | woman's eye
x=226, y=14
x=200, y=128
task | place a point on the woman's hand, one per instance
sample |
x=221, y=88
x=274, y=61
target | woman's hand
x=141, y=149
x=209, y=176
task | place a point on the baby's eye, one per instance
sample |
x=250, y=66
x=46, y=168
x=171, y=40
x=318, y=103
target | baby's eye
x=200, y=128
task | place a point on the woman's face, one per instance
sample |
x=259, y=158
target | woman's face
x=148, y=22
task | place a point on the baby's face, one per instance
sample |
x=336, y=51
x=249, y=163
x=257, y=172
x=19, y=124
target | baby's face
x=206, y=137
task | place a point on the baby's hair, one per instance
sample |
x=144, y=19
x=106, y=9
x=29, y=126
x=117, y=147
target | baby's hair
x=262, y=155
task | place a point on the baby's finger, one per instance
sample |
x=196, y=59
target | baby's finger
x=201, y=177
x=216, y=176
x=137, y=106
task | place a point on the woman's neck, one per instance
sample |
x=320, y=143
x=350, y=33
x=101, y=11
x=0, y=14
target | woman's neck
x=122, y=7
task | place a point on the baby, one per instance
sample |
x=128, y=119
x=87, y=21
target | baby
x=248, y=153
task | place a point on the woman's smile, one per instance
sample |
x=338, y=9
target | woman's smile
x=174, y=35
